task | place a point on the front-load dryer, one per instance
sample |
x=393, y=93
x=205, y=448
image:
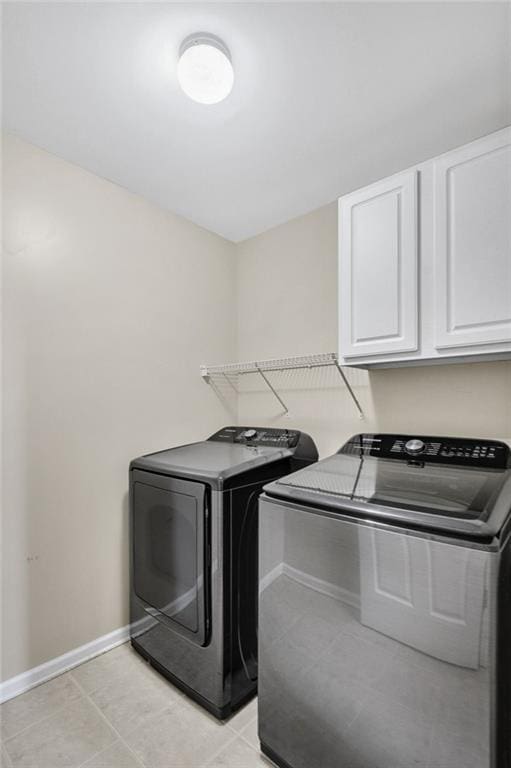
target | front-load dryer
x=194, y=557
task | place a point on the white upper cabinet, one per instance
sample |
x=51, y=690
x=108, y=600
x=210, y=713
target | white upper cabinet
x=425, y=261
x=378, y=268
x=472, y=257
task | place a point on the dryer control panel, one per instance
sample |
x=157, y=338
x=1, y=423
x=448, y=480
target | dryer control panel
x=276, y=438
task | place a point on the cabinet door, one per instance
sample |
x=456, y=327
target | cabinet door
x=472, y=259
x=378, y=310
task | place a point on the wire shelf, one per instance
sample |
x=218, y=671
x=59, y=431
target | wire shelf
x=262, y=367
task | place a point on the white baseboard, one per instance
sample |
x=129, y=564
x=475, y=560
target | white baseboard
x=27, y=680
x=319, y=585
x=267, y=579
x=37, y=675
x=311, y=582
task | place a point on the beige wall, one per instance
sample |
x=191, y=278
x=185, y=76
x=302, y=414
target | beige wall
x=287, y=298
x=110, y=307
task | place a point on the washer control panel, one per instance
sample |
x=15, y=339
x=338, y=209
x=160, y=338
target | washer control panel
x=278, y=438
x=441, y=450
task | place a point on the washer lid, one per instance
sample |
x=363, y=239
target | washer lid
x=210, y=461
x=473, y=501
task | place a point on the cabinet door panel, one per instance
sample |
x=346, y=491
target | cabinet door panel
x=472, y=259
x=378, y=268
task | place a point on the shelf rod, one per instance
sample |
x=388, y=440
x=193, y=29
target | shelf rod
x=350, y=390
x=286, y=409
x=230, y=383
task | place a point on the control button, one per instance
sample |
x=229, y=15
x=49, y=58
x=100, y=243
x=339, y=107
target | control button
x=414, y=446
x=249, y=434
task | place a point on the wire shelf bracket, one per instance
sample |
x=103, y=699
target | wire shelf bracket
x=262, y=367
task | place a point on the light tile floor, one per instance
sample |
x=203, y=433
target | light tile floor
x=115, y=711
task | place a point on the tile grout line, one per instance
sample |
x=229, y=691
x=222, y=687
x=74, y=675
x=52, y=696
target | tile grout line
x=46, y=717
x=237, y=713
x=234, y=733
x=246, y=740
x=81, y=691
x=172, y=703
x=7, y=757
x=93, y=704
x=220, y=749
x=97, y=754
x=83, y=695
x=240, y=734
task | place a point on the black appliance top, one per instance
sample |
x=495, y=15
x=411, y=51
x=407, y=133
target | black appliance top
x=229, y=452
x=457, y=485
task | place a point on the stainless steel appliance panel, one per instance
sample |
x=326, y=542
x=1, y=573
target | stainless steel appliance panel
x=377, y=645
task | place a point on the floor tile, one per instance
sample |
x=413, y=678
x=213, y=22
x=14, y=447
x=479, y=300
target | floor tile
x=244, y=716
x=313, y=634
x=250, y=734
x=388, y=735
x=329, y=692
x=116, y=756
x=130, y=699
x=280, y=607
x=98, y=672
x=34, y=705
x=238, y=754
x=64, y=740
x=296, y=735
x=450, y=750
x=4, y=758
x=180, y=737
x=411, y=687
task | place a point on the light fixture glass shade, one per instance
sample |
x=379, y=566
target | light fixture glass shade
x=204, y=69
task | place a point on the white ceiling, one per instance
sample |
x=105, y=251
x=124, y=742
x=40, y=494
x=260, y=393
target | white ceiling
x=327, y=97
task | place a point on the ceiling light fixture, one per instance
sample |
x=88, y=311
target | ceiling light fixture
x=204, y=69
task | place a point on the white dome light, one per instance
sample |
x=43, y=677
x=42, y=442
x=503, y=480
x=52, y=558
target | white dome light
x=204, y=69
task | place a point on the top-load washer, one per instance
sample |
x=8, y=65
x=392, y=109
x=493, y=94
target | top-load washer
x=194, y=575
x=385, y=607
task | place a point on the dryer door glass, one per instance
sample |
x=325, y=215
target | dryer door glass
x=169, y=551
